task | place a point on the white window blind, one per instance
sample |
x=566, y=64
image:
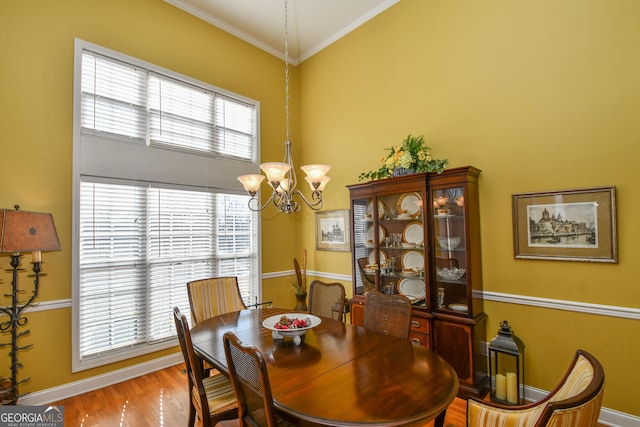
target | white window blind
x=129, y=101
x=148, y=218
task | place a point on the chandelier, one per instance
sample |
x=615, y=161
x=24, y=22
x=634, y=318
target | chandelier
x=282, y=175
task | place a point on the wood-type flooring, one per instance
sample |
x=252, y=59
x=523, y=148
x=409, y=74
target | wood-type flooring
x=159, y=399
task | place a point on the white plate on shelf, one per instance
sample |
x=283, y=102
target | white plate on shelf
x=463, y=308
x=381, y=209
x=413, y=233
x=414, y=289
x=372, y=258
x=412, y=259
x=409, y=204
x=381, y=234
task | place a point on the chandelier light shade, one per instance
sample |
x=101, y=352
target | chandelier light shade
x=251, y=182
x=21, y=231
x=281, y=176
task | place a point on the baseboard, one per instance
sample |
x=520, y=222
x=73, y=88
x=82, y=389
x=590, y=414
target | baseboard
x=44, y=397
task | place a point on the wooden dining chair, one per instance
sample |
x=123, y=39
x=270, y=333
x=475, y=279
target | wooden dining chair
x=214, y=296
x=366, y=280
x=576, y=401
x=389, y=314
x=212, y=397
x=250, y=380
x=326, y=299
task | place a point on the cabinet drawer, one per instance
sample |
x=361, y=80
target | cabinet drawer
x=420, y=325
x=422, y=339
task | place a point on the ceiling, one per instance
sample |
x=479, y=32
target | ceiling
x=312, y=24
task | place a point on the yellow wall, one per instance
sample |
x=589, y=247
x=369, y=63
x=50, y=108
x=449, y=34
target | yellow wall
x=541, y=96
x=36, y=95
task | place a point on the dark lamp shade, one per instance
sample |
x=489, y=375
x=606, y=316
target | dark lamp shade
x=24, y=231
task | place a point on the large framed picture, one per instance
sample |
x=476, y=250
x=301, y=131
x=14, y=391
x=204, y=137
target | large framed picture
x=568, y=225
x=332, y=231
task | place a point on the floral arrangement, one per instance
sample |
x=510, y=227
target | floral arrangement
x=413, y=156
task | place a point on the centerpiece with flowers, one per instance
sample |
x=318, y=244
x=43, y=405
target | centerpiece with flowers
x=413, y=156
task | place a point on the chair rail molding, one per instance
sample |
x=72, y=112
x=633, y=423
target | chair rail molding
x=557, y=304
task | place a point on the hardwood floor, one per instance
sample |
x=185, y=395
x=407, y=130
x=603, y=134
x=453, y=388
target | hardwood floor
x=159, y=399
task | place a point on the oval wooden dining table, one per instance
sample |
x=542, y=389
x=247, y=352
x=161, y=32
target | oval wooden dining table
x=341, y=374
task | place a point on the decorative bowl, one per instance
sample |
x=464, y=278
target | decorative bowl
x=448, y=243
x=450, y=273
x=297, y=333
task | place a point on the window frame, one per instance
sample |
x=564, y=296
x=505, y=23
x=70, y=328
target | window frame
x=97, y=156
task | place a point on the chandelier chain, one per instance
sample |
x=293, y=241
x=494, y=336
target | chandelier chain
x=286, y=68
x=282, y=176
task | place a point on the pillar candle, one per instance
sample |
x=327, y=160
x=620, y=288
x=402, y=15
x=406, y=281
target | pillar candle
x=512, y=387
x=501, y=387
x=36, y=256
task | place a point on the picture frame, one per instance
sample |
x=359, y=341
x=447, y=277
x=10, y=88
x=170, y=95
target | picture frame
x=566, y=225
x=333, y=232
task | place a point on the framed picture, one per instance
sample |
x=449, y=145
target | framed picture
x=569, y=225
x=332, y=231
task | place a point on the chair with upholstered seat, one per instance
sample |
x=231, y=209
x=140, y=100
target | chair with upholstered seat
x=212, y=398
x=389, y=314
x=575, y=402
x=326, y=299
x=250, y=380
x=214, y=296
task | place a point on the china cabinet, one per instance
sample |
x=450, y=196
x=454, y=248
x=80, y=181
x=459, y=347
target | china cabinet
x=419, y=236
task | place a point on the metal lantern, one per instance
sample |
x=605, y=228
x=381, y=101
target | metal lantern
x=506, y=366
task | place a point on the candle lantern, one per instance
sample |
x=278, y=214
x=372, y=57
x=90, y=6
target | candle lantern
x=506, y=366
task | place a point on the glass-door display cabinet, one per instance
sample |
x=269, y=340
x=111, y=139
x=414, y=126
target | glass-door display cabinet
x=419, y=236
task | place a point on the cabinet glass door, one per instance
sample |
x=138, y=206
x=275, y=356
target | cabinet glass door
x=366, y=243
x=450, y=248
x=401, y=253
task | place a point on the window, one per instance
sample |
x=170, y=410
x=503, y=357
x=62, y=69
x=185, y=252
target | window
x=154, y=204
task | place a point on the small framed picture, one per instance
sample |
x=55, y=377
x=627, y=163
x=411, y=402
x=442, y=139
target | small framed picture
x=332, y=231
x=568, y=225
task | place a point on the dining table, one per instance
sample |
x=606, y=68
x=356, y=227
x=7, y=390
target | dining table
x=339, y=374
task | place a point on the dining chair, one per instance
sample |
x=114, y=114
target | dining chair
x=576, y=401
x=250, y=380
x=366, y=281
x=326, y=299
x=213, y=296
x=389, y=314
x=212, y=397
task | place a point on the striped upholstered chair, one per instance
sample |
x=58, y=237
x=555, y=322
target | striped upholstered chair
x=575, y=402
x=214, y=296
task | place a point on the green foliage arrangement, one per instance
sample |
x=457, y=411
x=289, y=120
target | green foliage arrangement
x=413, y=156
